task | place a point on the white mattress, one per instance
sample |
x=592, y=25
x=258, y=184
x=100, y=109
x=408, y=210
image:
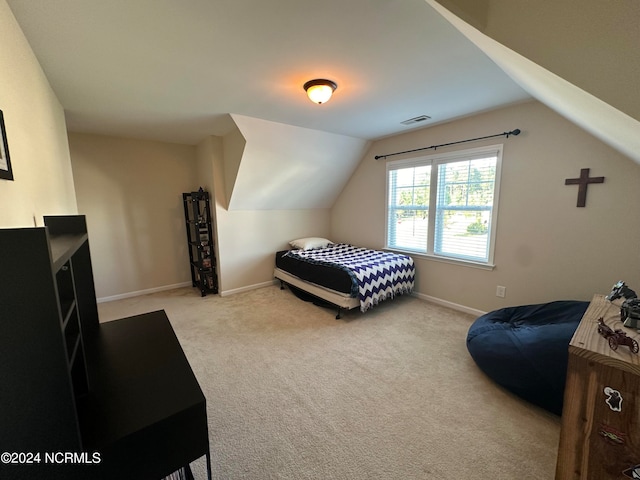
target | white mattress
x=342, y=300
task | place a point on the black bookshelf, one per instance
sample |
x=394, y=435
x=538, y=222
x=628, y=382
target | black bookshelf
x=123, y=390
x=200, y=241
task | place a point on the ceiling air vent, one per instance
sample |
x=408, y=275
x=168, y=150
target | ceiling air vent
x=413, y=120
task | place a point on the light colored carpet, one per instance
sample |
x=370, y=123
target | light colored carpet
x=293, y=393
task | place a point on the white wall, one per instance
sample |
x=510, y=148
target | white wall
x=247, y=240
x=131, y=193
x=546, y=248
x=284, y=167
x=36, y=133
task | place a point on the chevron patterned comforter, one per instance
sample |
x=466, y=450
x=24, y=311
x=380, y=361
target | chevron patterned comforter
x=375, y=275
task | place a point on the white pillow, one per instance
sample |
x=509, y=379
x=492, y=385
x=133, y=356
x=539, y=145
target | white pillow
x=309, y=243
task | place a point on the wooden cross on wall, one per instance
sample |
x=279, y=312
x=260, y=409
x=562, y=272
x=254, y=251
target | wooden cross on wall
x=583, y=181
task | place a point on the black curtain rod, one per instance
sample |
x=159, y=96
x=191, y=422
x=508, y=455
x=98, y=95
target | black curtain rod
x=512, y=132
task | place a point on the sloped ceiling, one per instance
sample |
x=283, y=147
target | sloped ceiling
x=173, y=70
x=592, y=44
x=181, y=70
x=286, y=167
x=608, y=36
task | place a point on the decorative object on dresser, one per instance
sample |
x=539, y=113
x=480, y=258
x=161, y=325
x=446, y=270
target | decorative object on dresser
x=202, y=256
x=600, y=438
x=617, y=337
x=630, y=308
x=112, y=403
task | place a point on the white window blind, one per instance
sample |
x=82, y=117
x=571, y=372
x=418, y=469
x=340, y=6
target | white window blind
x=462, y=190
x=408, y=212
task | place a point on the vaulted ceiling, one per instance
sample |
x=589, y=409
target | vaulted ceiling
x=173, y=70
x=590, y=43
x=607, y=35
x=181, y=70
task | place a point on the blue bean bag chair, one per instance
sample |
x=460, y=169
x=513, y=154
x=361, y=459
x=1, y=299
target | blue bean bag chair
x=525, y=349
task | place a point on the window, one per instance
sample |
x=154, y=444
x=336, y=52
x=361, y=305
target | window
x=445, y=205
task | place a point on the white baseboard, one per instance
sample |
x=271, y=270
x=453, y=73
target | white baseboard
x=421, y=296
x=225, y=293
x=446, y=303
x=255, y=286
x=427, y=298
x=142, y=292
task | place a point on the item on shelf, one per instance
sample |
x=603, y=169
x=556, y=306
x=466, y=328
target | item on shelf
x=617, y=337
x=630, y=308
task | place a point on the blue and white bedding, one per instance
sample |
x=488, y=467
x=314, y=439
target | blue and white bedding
x=375, y=275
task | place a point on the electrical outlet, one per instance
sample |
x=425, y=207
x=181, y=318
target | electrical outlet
x=501, y=291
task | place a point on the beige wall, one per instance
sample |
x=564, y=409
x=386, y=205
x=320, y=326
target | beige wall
x=205, y=152
x=546, y=248
x=604, y=121
x=248, y=239
x=233, y=144
x=131, y=193
x=590, y=43
x=36, y=133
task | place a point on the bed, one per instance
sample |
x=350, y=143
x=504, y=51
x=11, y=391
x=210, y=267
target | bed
x=343, y=275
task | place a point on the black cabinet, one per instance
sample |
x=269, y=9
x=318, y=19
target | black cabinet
x=43, y=319
x=80, y=399
x=202, y=257
x=145, y=412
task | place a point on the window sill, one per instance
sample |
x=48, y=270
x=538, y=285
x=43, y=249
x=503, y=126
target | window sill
x=436, y=258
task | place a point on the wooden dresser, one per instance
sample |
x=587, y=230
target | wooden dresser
x=600, y=436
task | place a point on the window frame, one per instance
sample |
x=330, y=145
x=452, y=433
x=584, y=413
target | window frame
x=434, y=161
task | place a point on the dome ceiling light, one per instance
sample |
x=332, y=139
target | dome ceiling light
x=320, y=90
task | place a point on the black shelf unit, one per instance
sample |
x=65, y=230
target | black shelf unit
x=73, y=385
x=202, y=257
x=47, y=310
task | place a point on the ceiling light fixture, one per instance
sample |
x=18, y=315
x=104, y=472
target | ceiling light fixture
x=319, y=91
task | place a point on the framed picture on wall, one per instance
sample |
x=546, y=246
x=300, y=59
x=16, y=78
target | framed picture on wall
x=5, y=162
